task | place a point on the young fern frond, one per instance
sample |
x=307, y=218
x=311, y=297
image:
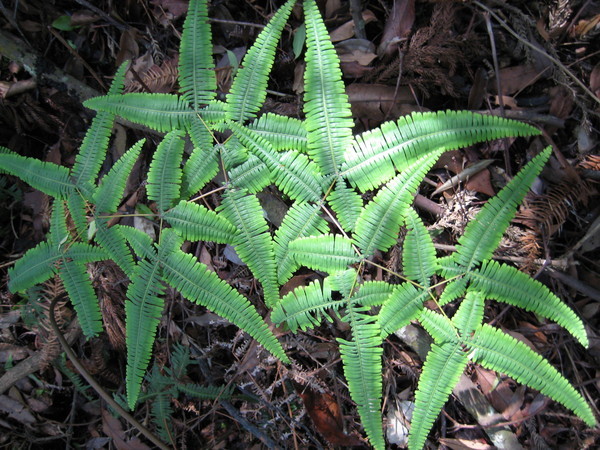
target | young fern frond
x=483, y=234
x=509, y=285
x=301, y=220
x=164, y=176
x=378, y=225
x=255, y=245
x=377, y=154
x=442, y=368
x=161, y=112
x=328, y=116
x=197, y=78
x=361, y=359
x=498, y=351
x=196, y=223
x=418, y=256
x=95, y=143
x=50, y=178
x=249, y=88
x=329, y=253
x=282, y=132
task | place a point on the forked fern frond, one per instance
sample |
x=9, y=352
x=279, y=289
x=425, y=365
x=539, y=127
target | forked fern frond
x=301, y=220
x=116, y=246
x=403, y=305
x=140, y=242
x=443, y=367
x=509, y=285
x=161, y=112
x=329, y=253
x=164, y=176
x=470, y=313
x=196, y=223
x=252, y=175
x=328, y=116
x=378, y=225
x=483, y=234
x=202, y=164
x=197, y=78
x=249, y=88
x=255, y=246
x=377, y=154
x=282, y=132
x=373, y=293
x=498, y=351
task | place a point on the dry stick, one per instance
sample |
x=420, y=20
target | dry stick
x=92, y=382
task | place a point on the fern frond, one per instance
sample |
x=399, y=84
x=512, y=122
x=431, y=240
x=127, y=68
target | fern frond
x=507, y=284
x=282, y=132
x=418, y=256
x=482, y=235
x=95, y=143
x=164, y=176
x=200, y=285
x=439, y=327
x=85, y=253
x=328, y=116
x=403, y=305
x=329, y=253
x=78, y=285
x=377, y=154
x=346, y=203
x=306, y=306
x=346, y=283
x=203, y=164
x=498, y=351
x=301, y=220
x=292, y=172
x=161, y=112
x=232, y=152
x=35, y=266
x=205, y=392
x=255, y=246
x=197, y=78
x=196, y=223
x=77, y=207
x=162, y=413
x=470, y=313
x=442, y=369
x=361, y=359
x=110, y=192
x=143, y=309
x=141, y=243
x=58, y=232
x=50, y=178
x=378, y=225
x=373, y=293
x=115, y=245
x=249, y=88
x=252, y=175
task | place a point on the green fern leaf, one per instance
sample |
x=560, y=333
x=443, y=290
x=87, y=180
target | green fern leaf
x=143, y=310
x=282, y=132
x=442, y=369
x=439, y=327
x=255, y=245
x=200, y=285
x=77, y=207
x=139, y=241
x=203, y=164
x=378, y=153
x=58, y=232
x=328, y=253
x=301, y=220
x=253, y=175
x=196, y=223
x=249, y=88
x=508, y=285
x=115, y=245
x=482, y=235
x=110, y=192
x=328, y=116
x=418, y=256
x=162, y=413
x=378, y=225
x=361, y=359
x=498, y=351
x=306, y=306
x=78, y=285
x=50, y=178
x=95, y=143
x=161, y=112
x=164, y=176
x=470, y=313
x=197, y=78
x=35, y=266
x=373, y=293
x=205, y=392
x=346, y=283
x=403, y=305
x=347, y=204
x=232, y=152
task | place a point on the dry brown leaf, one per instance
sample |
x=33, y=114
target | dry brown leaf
x=397, y=27
x=113, y=429
x=595, y=80
x=346, y=30
x=515, y=78
x=378, y=102
x=466, y=444
x=128, y=47
x=585, y=27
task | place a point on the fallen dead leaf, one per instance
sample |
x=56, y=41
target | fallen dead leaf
x=113, y=429
x=514, y=79
x=397, y=27
x=346, y=30
x=466, y=444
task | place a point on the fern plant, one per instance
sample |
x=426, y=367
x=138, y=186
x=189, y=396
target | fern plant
x=323, y=170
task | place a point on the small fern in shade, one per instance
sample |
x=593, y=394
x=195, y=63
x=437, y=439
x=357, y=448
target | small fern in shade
x=323, y=172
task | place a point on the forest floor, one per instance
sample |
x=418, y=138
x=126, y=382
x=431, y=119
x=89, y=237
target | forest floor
x=412, y=55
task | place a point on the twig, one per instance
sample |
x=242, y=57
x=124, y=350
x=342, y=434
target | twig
x=106, y=17
x=94, y=384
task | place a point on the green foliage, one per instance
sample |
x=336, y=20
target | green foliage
x=320, y=167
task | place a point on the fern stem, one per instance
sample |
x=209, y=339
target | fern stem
x=214, y=191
